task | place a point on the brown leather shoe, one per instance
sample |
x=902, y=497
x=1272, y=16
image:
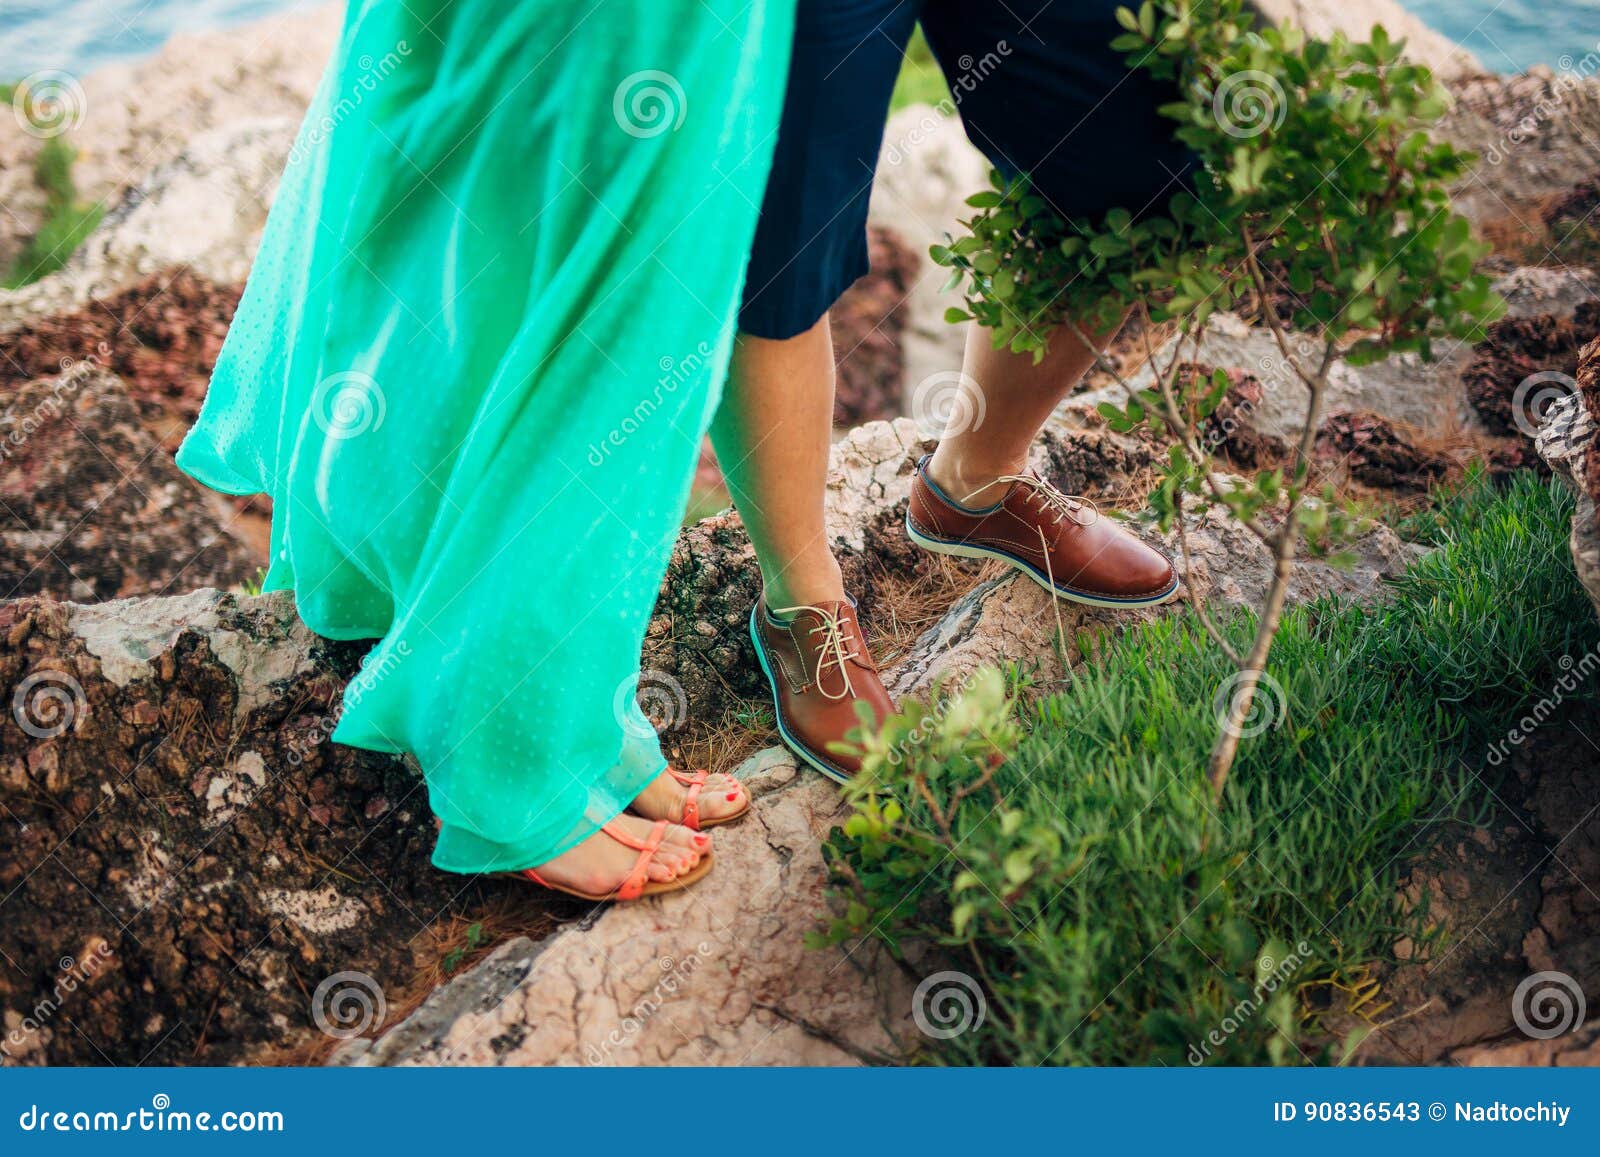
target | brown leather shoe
x=818, y=667
x=1061, y=543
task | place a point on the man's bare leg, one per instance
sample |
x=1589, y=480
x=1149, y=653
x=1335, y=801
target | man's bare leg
x=1008, y=399
x=772, y=434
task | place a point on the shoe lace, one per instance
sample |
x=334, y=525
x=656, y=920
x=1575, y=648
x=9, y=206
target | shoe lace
x=838, y=647
x=1054, y=501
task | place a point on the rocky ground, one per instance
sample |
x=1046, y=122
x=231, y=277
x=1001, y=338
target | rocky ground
x=192, y=873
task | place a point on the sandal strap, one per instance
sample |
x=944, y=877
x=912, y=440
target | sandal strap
x=691, y=801
x=633, y=883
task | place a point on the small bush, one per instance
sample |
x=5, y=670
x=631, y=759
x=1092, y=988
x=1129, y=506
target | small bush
x=1067, y=855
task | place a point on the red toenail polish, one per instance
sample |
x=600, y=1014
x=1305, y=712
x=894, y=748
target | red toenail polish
x=702, y=839
x=732, y=795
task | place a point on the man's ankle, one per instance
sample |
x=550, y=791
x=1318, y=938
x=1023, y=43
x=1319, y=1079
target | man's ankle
x=783, y=598
x=968, y=483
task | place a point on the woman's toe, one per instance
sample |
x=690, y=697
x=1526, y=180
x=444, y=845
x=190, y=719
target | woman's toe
x=659, y=871
x=725, y=798
x=678, y=836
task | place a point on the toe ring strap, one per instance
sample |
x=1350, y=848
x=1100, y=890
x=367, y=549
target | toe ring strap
x=691, y=802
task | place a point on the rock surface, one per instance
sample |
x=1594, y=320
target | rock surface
x=1534, y=134
x=1523, y=362
x=92, y=508
x=136, y=116
x=160, y=336
x=1569, y=442
x=174, y=810
x=1517, y=901
x=1404, y=388
x=868, y=325
x=202, y=212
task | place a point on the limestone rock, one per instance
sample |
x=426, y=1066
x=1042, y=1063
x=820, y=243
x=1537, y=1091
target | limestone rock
x=1523, y=361
x=161, y=337
x=1404, y=388
x=202, y=211
x=719, y=975
x=136, y=116
x=90, y=506
x=1534, y=134
x=1569, y=444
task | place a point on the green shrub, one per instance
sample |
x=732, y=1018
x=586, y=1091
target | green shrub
x=1067, y=856
x=1318, y=201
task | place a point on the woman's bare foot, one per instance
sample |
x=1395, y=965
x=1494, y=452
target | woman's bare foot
x=664, y=797
x=600, y=864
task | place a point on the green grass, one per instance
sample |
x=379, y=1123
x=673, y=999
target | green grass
x=1069, y=860
x=67, y=220
x=920, y=80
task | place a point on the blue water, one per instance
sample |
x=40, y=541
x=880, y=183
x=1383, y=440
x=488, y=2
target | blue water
x=79, y=35
x=1509, y=35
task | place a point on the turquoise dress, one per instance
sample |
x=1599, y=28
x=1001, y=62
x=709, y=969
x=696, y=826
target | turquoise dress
x=473, y=364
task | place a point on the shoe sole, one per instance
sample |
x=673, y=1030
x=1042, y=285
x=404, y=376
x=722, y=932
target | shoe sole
x=789, y=741
x=964, y=550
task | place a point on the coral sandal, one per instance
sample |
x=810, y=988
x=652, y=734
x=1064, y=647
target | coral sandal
x=696, y=782
x=635, y=885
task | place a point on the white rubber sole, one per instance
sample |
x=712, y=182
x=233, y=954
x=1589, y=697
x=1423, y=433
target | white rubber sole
x=962, y=550
x=789, y=741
